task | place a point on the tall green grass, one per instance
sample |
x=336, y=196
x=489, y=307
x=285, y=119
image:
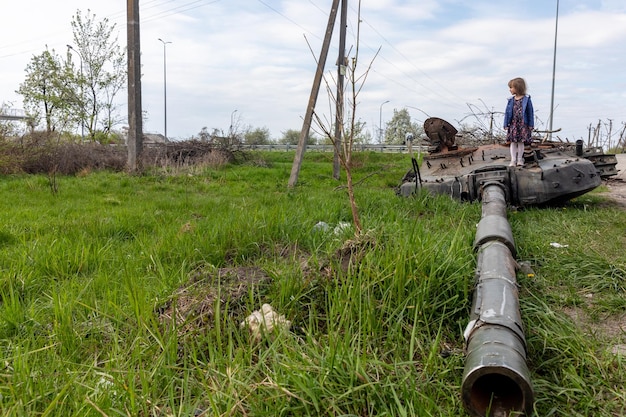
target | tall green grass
x=85, y=273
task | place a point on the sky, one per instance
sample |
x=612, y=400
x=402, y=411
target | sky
x=251, y=63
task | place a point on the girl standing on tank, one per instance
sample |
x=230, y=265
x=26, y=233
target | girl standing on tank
x=519, y=120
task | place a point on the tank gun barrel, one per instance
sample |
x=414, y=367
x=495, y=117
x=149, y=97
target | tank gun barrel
x=496, y=379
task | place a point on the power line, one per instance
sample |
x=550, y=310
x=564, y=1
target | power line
x=436, y=93
x=118, y=18
x=179, y=9
x=412, y=64
x=289, y=19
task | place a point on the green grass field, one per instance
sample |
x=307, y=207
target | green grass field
x=123, y=295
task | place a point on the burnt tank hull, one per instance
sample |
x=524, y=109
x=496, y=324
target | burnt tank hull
x=547, y=177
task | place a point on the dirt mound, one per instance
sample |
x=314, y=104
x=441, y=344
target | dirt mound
x=192, y=306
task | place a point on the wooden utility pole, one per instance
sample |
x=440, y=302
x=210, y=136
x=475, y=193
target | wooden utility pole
x=341, y=72
x=135, y=132
x=306, y=125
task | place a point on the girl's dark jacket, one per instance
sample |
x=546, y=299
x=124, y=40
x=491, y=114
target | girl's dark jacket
x=527, y=110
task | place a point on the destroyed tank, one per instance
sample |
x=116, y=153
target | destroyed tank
x=496, y=379
x=552, y=173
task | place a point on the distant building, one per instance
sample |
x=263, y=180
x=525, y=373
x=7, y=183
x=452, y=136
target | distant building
x=148, y=138
x=154, y=139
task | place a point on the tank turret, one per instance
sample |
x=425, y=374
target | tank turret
x=550, y=174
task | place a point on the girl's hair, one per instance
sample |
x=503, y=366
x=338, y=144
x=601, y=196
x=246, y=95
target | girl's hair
x=519, y=85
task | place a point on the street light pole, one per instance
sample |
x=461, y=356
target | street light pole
x=232, y=122
x=82, y=107
x=556, y=31
x=380, y=122
x=164, y=88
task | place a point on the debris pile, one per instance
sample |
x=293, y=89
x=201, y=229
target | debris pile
x=264, y=321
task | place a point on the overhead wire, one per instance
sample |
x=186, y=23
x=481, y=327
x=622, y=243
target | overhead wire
x=452, y=99
x=157, y=5
x=289, y=19
x=116, y=17
x=411, y=62
x=434, y=93
x=180, y=9
x=155, y=11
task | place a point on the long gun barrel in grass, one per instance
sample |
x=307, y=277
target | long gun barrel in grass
x=496, y=379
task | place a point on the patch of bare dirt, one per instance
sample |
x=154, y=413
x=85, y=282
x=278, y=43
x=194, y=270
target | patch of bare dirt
x=616, y=185
x=192, y=306
x=611, y=328
x=616, y=191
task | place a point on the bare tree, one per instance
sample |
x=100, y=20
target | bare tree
x=348, y=129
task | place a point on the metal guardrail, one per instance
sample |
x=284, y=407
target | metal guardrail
x=330, y=148
x=12, y=114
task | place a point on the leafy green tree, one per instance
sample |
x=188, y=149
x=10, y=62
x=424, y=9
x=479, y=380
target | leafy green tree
x=81, y=93
x=399, y=126
x=358, y=133
x=101, y=74
x=47, y=91
x=292, y=137
x=257, y=136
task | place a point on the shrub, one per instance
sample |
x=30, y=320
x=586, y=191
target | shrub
x=43, y=153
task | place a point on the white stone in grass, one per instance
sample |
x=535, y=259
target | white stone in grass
x=558, y=245
x=341, y=227
x=106, y=386
x=265, y=320
x=321, y=227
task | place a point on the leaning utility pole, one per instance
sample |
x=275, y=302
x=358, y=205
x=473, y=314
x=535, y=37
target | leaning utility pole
x=306, y=125
x=134, y=141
